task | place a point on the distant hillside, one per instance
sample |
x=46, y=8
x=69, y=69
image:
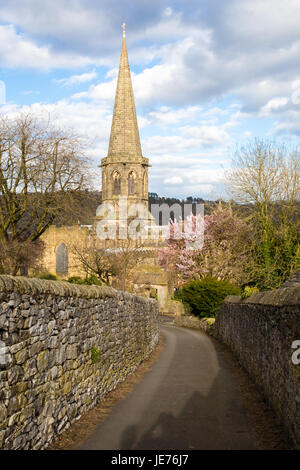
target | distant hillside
x=209, y=205
x=83, y=206
x=80, y=207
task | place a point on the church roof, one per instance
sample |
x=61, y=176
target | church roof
x=124, y=136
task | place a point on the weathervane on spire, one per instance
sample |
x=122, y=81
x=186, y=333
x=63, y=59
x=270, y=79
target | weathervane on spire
x=124, y=30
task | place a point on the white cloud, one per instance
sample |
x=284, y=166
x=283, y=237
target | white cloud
x=273, y=105
x=91, y=121
x=204, y=176
x=282, y=25
x=160, y=144
x=18, y=51
x=206, y=135
x=206, y=188
x=168, y=11
x=288, y=125
x=167, y=115
x=204, y=182
x=63, y=22
x=199, y=53
x=173, y=181
x=76, y=79
x=103, y=91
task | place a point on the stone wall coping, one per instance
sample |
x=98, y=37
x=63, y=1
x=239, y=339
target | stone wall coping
x=233, y=299
x=25, y=285
x=283, y=296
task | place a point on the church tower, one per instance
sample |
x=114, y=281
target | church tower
x=124, y=170
x=124, y=183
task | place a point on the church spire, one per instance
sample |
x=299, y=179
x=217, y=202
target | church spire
x=124, y=141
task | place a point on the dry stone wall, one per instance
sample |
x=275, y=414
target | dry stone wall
x=63, y=348
x=193, y=322
x=261, y=331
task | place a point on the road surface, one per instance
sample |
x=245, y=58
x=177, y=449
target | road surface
x=188, y=400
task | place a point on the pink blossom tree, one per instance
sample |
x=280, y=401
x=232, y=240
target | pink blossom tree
x=223, y=252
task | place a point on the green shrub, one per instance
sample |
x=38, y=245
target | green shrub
x=206, y=296
x=248, y=291
x=91, y=280
x=75, y=280
x=47, y=276
x=95, y=355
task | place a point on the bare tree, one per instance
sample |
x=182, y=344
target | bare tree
x=40, y=167
x=264, y=173
x=127, y=255
x=114, y=263
x=93, y=259
x=17, y=255
x=267, y=176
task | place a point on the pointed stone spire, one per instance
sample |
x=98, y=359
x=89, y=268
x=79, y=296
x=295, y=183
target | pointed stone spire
x=124, y=141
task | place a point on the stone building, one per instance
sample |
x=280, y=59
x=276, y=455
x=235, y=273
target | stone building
x=124, y=178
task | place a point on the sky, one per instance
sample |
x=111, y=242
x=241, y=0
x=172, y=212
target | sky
x=208, y=76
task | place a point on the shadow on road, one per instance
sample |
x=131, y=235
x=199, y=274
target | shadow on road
x=188, y=400
x=213, y=421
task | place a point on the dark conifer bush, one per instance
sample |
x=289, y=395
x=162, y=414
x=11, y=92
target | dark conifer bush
x=206, y=296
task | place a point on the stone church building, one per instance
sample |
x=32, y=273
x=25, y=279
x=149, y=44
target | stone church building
x=124, y=177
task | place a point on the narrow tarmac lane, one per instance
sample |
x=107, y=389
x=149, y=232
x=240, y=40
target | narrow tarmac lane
x=188, y=400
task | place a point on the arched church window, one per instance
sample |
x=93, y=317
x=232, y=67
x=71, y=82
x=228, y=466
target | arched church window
x=116, y=183
x=62, y=259
x=131, y=183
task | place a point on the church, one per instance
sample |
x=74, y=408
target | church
x=124, y=178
